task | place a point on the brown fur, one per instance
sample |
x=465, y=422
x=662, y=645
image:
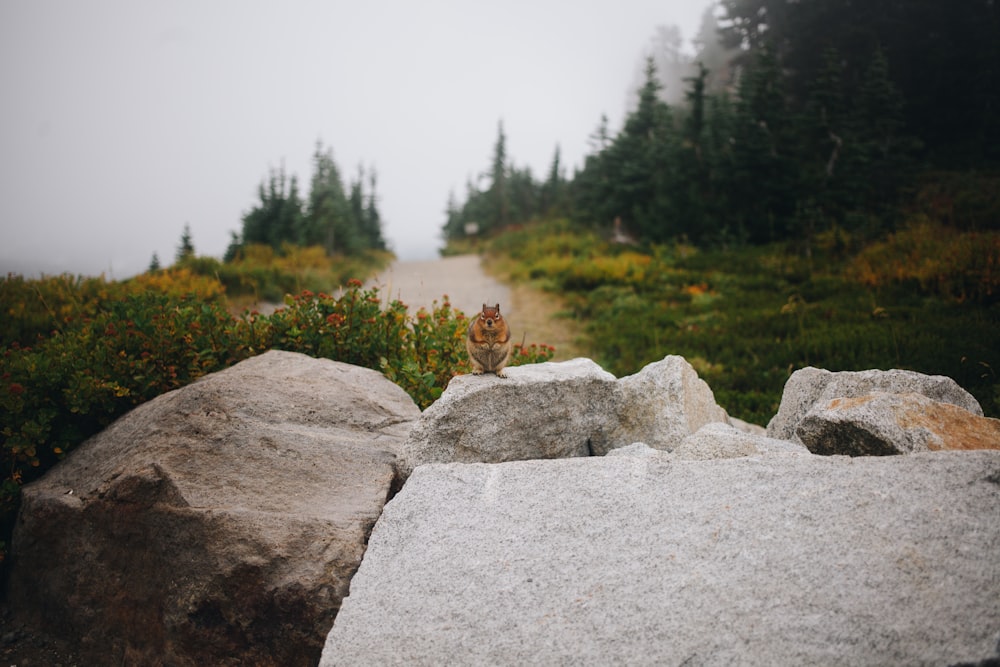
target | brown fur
x=489, y=343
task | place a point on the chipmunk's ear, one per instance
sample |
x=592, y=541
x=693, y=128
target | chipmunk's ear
x=498, y=307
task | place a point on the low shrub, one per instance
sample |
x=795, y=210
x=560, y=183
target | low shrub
x=102, y=356
x=956, y=265
x=36, y=308
x=752, y=315
x=74, y=383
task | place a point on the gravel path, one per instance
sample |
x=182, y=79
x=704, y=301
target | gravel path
x=532, y=314
x=418, y=284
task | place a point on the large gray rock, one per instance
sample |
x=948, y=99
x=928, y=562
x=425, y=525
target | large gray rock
x=559, y=410
x=882, y=424
x=540, y=411
x=762, y=560
x=217, y=524
x=661, y=405
x=808, y=386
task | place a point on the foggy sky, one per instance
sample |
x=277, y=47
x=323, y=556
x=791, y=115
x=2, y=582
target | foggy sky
x=122, y=120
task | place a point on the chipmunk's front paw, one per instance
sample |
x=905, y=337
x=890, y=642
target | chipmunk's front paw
x=502, y=373
x=477, y=371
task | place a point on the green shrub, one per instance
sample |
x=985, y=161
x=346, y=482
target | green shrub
x=35, y=308
x=103, y=355
x=420, y=353
x=77, y=381
x=747, y=317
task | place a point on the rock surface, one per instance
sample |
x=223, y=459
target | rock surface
x=217, y=524
x=808, y=386
x=540, y=411
x=559, y=410
x=721, y=441
x=661, y=405
x=881, y=424
x=762, y=560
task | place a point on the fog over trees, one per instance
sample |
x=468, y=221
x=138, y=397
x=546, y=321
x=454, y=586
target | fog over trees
x=790, y=119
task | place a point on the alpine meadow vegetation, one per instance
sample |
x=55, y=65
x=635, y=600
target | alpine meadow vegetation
x=747, y=317
x=817, y=185
x=77, y=353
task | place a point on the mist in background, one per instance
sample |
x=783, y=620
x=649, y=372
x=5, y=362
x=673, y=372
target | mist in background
x=123, y=121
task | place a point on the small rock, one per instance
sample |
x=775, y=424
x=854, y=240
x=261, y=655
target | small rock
x=638, y=450
x=809, y=386
x=881, y=424
x=721, y=441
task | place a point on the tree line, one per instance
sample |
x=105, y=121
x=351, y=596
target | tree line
x=795, y=118
x=341, y=220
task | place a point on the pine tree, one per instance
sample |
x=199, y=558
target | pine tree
x=327, y=212
x=154, y=263
x=693, y=191
x=762, y=181
x=234, y=248
x=454, y=226
x=278, y=218
x=372, y=226
x=499, y=214
x=553, y=191
x=884, y=153
x=641, y=160
x=185, y=250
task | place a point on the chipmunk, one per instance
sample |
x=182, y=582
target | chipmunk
x=489, y=343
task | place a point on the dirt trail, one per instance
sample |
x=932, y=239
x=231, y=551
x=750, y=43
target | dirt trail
x=418, y=284
x=531, y=313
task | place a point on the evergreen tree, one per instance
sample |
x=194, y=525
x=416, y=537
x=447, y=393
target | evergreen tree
x=945, y=60
x=278, y=218
x=454, y=226
x=642, y=161
x=499, y=214
x=372, y=220
x=185, y=250
x=693, y=187
x=671, y=64
x=522, y=195
x=600, y=139
x=762, y=180
x=353, y=237
x=712, y=55
x=885, y=153
x=234, y=248
x=591, y=185
x=553, y=193
x=326, y=221
x=154, y=263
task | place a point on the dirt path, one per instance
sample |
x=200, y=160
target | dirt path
x=532, y=314
x=418, y=284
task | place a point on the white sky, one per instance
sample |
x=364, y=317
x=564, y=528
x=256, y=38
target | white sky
x=122, y=120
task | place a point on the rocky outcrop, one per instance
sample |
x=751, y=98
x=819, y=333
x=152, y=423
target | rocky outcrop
x=222, y=523
x=540, y=411
x=809, y=386
x=558, y=410
x=661, y=405
x=757, y=560
x=881, y=424
x=218, y=524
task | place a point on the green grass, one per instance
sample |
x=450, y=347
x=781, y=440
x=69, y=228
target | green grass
x=747, y=318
